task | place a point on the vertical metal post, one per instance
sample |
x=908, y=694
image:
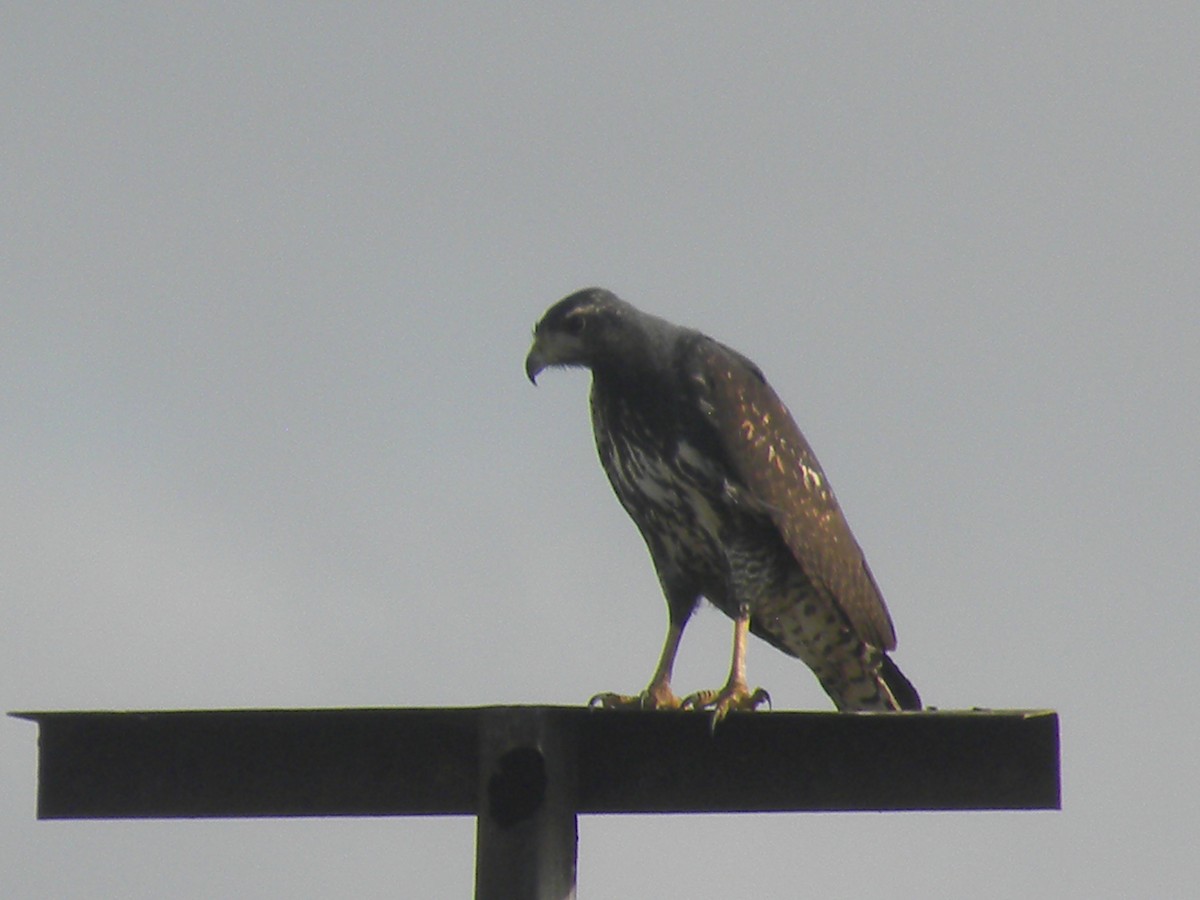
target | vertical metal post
x=526, y=833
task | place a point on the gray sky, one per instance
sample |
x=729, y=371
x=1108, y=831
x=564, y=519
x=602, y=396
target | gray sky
x=267, y=278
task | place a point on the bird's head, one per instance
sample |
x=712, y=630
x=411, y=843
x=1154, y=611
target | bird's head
x=588, y=328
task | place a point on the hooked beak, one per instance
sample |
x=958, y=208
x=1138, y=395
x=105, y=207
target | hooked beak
x=534, y=363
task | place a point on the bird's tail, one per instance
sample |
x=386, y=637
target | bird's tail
x=902, y=689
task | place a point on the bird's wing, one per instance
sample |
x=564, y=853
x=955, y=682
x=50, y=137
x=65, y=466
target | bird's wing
x=773, y=461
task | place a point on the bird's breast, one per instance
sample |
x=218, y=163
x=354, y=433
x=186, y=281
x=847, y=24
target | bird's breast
x=671, y=496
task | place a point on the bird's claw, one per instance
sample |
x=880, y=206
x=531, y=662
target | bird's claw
x=650, y=698
x=608, y=700
x=731, y=698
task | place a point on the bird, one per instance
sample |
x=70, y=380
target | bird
x=732, y=505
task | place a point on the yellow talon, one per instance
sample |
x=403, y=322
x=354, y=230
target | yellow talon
x=731, y=698
x=653, y=697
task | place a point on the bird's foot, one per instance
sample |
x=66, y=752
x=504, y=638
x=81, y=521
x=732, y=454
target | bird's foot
x=656, y=696
x=733, y=697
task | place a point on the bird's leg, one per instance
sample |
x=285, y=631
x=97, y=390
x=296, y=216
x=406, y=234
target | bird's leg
x=736, y=694
x=658, y=694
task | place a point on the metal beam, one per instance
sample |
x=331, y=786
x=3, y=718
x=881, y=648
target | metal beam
x=375, y=762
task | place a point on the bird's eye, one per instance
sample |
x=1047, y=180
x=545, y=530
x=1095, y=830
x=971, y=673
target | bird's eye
x=575, y=325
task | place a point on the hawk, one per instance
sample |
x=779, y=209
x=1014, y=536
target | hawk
x=731, y=502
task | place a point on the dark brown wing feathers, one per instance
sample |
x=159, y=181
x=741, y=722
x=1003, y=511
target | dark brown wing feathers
x=774, y=462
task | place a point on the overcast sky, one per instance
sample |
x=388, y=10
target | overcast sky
x=267, y=279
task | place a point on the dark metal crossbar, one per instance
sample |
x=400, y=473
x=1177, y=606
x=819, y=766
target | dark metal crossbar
x=527, y=771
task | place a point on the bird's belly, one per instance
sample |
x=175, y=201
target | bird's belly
x=697, y=537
